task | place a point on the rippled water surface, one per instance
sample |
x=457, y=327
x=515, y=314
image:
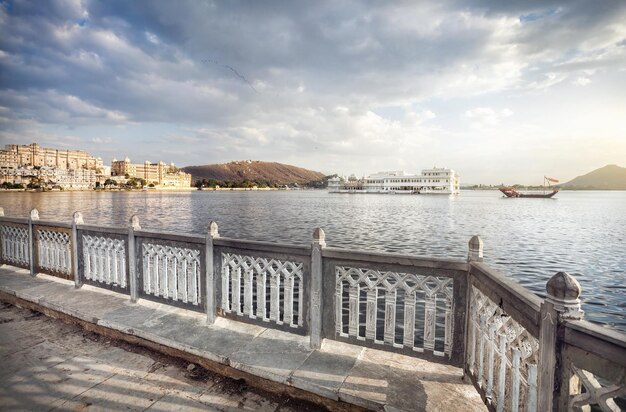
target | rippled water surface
x=583, y=233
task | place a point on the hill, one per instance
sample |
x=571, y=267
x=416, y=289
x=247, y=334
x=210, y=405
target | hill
x=610, y=177
x=254, y=171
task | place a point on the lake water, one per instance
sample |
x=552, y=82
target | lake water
x=583, y=233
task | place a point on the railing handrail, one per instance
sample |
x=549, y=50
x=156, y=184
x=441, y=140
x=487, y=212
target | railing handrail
x=522, y=304
x=118, y=230
x=262, y=246
x=395, y=259
x=586, y=336
x=173, y=236
x=20, y=220
x=50, y=223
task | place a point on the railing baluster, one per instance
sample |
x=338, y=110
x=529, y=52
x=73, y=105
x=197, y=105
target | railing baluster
x=390, y=317
x=502, y=372
x=194, y=286
x=261, y=286
x=481, y=347
x=181, y=276
x=353, y=310
x=429, y=322
x=532, y=388
x=225, y=283
x=515, y=380
x=247, y=292
x=490, y=360
x=339, y=308
x=274, y=297
x=448, y=327
x=288, y=300
x=370, y=314
x=236, y=292
x=409, y=320
x=301, y=303
x=148, y=273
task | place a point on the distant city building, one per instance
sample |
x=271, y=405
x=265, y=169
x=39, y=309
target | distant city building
x=435, y=180
x=34, y=155
x=159, y=174
x=71, y=179
x=66, y=169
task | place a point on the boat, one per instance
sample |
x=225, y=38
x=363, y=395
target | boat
x=512, y=192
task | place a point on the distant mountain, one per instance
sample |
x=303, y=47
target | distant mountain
x=610, y=177
x=253, y=170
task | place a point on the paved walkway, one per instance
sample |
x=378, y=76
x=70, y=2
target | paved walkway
x=345, y=373
x=50, y=365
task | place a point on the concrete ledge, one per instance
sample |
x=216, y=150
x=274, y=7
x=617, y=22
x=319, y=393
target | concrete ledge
x=339, y=376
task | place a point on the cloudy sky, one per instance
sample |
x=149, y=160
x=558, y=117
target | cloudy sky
x=502, y=91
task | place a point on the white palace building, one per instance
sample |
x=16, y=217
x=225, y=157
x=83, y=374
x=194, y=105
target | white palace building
x=432, y=181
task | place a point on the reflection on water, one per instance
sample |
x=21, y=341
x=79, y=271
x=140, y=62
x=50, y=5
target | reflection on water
x=583, y=233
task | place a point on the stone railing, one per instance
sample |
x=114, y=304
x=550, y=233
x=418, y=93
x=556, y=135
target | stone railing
x=522, y=353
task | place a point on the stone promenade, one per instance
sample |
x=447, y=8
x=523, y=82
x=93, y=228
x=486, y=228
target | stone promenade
x=49, y=365
x=339, y=376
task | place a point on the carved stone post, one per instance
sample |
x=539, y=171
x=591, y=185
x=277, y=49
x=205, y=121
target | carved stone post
x=475, y=249
x=318, y=244
x=133, y=274
x=212, y=233
x=474, y=254
x=77, y=219
x=562, y=303
x=32, y=218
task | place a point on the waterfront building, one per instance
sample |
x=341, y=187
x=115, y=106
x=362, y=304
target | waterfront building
x=63, y=168
x=47, y=176
x=435, y=180
x=159, y=174
x=34, y=155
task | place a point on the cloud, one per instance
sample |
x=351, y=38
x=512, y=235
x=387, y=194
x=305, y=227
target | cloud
x=486, y=117
x=582, y=81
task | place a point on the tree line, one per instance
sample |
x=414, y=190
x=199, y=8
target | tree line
x=260, y=183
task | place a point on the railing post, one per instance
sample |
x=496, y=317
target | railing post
x=475, y=249
x=315, y=309
x=212, y=233
x=562, y=303
x=77, y=219
x=132, y=258
x=32, y=217
x=474, y=254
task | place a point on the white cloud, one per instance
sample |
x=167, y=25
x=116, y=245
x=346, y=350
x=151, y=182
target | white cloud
x=582, y=81
x=152, y=38
x=486, y=117
x=549, y=80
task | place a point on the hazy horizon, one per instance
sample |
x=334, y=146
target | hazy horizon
x=501, y=92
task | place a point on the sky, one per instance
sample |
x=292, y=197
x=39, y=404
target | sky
x=500, y=91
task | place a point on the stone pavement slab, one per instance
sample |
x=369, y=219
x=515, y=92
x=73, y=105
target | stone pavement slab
x=325, y=370
x=272, y=355
x=359, y=376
